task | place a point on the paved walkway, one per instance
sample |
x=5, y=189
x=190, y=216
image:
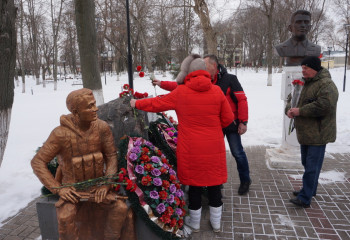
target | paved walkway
x=265, y=213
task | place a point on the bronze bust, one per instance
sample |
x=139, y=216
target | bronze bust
x=296, y=48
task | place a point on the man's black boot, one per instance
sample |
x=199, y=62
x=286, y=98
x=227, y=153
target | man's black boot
x=244, y=187
x=299, y=203
x=296, y=193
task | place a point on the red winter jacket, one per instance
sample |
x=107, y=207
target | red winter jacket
x=202, y=111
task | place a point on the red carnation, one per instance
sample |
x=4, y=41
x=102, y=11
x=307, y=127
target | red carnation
x=172, y=178
x=145, y=158
x=123, y=170
x=177, y=201
x=138, y=68
x=117, y=187
x=165, y=218
x=149, y=167
x=164, y=160
x=137, y=95
x=126, y=86
x=130, y=186
x=173, y=222
x=146, y=181
x=178, y=186
x=165, y=184
x=145, y=150
x=169, y=210
x=182, y=203
x=141, y=74
x=145, y=95
x=163, y=170
x=120, y=177
x=163, y=195
x=180, y=223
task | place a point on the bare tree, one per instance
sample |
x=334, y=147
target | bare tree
x=85, y=24
x=70, y=53
x=56, y=22
x=7, y=68
x=268, y=9
x=342, y=9
x=201, y=9
x=32, y=24
x=21, y=25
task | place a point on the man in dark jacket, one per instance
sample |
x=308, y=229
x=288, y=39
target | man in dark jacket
x=315, y=123
x=237, y=99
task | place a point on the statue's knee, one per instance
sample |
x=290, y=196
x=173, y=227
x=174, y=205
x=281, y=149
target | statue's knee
x=120, y=206
x=66, y=213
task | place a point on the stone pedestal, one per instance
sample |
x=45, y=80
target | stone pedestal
x=287, y=156
x=47, y=217
x=49, y=227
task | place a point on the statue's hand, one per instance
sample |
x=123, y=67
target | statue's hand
x=69, y=194
x=101, y=193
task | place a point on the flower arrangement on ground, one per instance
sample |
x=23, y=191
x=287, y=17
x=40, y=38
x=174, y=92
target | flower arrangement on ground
x=158, y=192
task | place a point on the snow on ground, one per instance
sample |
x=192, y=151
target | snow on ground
x=35, y=115
x=326, y=177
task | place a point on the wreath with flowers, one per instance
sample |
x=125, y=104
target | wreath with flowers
x=164, y=135
x=158, y=198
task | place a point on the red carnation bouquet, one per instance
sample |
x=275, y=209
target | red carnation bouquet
x=297, y=87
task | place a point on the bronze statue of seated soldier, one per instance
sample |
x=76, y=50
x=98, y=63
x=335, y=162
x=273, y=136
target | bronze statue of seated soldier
x=85, y=150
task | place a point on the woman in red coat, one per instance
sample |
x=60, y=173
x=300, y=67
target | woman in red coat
x=202, y=111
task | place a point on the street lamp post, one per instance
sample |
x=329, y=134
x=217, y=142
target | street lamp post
x=104, y=65
x=64, y=69
x=218, y=48
x=346, y=26
x=129, y=46
x=329, y=55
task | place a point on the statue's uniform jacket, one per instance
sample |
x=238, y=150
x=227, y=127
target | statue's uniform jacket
x=292, y=48
x=81, y=155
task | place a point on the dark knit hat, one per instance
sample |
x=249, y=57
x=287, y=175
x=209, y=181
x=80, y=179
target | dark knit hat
x=312, y=62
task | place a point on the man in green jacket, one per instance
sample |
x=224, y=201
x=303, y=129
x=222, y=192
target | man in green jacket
x=315, y=123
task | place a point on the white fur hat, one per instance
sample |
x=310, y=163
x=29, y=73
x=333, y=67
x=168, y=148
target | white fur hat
x=190, y=64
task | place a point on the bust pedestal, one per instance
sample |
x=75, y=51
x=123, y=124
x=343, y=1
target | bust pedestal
x=287, y=156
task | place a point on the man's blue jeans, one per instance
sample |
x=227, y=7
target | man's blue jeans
x=234, y=141
x=312, y=160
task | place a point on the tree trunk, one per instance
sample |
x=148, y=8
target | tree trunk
x=22, y=51
x=269, y=14
x=33, y=35
x=202, y=11
x=86, y=31
x=7, y=68
x=55, y=30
